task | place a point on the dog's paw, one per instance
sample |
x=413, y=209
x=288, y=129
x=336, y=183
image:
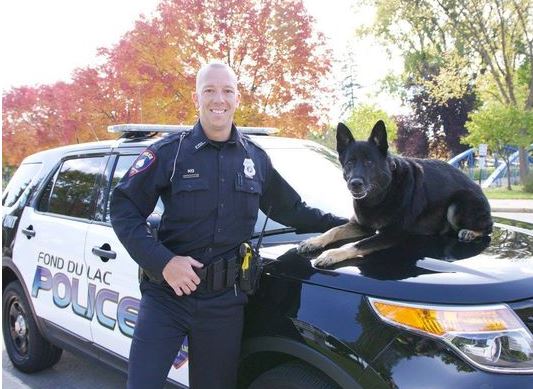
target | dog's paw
x=330, y=257
x=309, y=245
x=467, y=235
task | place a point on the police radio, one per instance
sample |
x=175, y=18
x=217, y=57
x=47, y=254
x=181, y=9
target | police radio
x=252, y=263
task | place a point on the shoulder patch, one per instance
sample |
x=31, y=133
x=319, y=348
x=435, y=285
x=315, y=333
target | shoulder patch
x=143, y=162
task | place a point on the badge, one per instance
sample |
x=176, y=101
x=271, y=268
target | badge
x=142, y=162
x=249, y=169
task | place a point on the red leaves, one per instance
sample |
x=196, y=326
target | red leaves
x=149, y=75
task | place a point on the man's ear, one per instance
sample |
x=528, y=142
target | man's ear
x=344, y=137
x=379, y=137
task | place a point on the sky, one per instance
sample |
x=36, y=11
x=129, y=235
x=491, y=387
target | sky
x=43, y=41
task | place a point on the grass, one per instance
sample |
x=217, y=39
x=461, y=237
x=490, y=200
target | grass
x=517, y=192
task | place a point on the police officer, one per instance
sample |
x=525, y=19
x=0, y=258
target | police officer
x=212, y=181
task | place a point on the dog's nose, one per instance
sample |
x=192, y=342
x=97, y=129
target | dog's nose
x=356, y=184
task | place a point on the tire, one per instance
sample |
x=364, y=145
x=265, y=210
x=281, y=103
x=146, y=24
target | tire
x=28, y=350
x=293, y=375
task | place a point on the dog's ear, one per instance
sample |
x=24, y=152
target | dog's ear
x=379, y=137
x=344, y=137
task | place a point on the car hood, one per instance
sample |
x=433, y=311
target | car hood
x=440, y=269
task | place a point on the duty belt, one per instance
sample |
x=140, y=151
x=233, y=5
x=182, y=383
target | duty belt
x=219, y=275
x=216, y=276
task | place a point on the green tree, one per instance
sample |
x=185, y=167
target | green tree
x=364, y=117
x=489, y=42
x=361, y=121
x=499, y=35
x=430, y=55
x=499, y=126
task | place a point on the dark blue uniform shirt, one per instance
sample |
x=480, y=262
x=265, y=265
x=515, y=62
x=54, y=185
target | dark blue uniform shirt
x=211, y=192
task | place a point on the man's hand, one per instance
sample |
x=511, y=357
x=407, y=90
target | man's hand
x=180, y=275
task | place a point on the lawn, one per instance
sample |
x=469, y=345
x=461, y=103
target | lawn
x=517, y=192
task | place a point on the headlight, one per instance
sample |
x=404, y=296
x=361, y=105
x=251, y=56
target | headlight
x=491, y=337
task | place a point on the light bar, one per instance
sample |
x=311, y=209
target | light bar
x=167, y=128
x=148, y=128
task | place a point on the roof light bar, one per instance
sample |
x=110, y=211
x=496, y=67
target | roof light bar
x=120, y=128
x=166, y=128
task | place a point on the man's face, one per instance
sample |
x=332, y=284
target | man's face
x=216, y=99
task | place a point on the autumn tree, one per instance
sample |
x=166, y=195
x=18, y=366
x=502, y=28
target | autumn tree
x=281, y=61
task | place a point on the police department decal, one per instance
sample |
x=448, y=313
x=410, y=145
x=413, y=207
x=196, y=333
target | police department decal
x=142, y=162
x=249, y=168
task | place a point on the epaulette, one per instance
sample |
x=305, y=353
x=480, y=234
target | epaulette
x=246, y=139
x=169, y=139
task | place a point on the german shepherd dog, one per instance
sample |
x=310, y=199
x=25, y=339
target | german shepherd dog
x=394, y=197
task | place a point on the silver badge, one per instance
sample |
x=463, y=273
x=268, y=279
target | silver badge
x=249, y=168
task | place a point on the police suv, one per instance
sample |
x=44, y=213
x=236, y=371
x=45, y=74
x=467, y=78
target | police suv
x=430, y=312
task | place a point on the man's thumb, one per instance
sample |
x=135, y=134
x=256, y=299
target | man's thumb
x=195, y=263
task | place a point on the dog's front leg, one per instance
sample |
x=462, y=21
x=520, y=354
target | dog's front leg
x=346, y=231
x=351, y=250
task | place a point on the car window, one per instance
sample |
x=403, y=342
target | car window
x=124, y=162
x=19, y=182
x=71, y=192
x=315, y=173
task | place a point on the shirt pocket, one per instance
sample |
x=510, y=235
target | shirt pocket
x=191, y=197
x=247, y=194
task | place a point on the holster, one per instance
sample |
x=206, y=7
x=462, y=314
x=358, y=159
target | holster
x=249, y=278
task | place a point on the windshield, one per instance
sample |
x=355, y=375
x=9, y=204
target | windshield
x=315, y=173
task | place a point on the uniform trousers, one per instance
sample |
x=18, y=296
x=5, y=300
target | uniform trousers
x=213, y=322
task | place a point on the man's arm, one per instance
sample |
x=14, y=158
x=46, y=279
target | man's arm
x=132, y=201
x=288, y=208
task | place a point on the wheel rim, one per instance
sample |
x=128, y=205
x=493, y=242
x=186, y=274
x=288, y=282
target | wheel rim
x=18, y=327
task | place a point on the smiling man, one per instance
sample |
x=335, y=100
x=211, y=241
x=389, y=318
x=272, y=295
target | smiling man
x=212, y=181
x=216, y=98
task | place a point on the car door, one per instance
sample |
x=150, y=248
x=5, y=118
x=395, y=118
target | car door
x=50, y=254
x=115, y=276
x=112, y=274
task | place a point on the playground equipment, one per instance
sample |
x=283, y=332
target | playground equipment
x=494, y=173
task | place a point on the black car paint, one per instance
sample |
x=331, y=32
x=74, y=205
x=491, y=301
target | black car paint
x=322, y=316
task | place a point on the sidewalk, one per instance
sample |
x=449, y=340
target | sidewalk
x=520, y=206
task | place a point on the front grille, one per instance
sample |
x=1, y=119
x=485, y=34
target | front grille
x=524, y=310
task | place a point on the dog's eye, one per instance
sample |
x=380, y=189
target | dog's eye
x=368, y=163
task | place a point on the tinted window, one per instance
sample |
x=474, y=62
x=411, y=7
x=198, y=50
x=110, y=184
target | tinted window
x=18, y=184
x=123, y=164
x=72, y=193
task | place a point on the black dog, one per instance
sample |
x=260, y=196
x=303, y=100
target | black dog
x=394, y=197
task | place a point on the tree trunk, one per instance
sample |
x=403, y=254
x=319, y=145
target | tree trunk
x=508, y=164
x=523, y=163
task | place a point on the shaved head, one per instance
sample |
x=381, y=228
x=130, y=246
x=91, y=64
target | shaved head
x=214, y=65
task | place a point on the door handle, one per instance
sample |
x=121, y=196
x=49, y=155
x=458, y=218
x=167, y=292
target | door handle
x=29, y=232
x=104, y=252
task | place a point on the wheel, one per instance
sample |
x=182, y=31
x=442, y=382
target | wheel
x=293, y=375
x=27, y=348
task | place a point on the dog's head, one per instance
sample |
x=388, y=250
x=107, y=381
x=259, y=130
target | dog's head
x=366, y=165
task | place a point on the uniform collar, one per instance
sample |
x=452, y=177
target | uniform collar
x=200, y=140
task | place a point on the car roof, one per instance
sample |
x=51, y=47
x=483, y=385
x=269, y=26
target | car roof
x=266, y=142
